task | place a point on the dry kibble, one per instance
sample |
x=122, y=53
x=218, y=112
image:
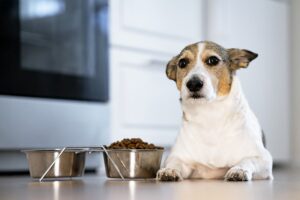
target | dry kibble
x=133, y=143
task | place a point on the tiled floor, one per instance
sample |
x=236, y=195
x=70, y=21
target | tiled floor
x=286, y=185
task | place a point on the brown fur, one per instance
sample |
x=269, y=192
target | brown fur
x=177, y=74
x=240, y=58
x=225, y=79
x=184, y=117
x=222, y=73
x=231, y=60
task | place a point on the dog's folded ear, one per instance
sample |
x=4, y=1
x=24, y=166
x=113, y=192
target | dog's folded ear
x=240, y=58
x=172, y=69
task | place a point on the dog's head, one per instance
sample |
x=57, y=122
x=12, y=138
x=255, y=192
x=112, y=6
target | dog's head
x=203, y=71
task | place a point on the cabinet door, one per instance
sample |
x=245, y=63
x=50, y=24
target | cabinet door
x=260, y=26
x=145, y=103
x=158, y=25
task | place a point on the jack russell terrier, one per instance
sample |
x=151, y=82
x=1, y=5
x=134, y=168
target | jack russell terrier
x=220, y=136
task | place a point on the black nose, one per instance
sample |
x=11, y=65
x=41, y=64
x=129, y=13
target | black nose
x=194, y=84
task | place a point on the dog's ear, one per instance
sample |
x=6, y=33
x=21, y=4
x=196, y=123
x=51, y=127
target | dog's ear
x=171, y=69
x=240, y=58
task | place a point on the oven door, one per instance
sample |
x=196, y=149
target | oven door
x=54, y=49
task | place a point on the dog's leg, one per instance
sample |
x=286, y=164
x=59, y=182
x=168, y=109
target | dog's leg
x=175, y=170
x=250, y=168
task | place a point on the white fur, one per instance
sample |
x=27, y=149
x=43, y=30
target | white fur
x=220, y=136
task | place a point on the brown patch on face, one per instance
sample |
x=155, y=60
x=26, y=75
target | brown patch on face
x=174, y=72
x=230, y=61
x=225, y=79
x=222, y=72
x=224, y=76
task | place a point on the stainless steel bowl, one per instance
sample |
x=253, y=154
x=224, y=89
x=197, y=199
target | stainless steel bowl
x=71, y=162
x=133, y=163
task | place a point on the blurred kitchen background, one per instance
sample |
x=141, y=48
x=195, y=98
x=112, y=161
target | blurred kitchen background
x=89, y=72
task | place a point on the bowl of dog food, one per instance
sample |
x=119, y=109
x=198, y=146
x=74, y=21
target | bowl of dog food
x=132, y=159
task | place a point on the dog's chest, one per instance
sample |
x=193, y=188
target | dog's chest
x=216, y=146
x=216, y=136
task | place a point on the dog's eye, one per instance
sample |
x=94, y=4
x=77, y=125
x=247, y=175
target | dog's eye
x=183, y=63
x=212, y=61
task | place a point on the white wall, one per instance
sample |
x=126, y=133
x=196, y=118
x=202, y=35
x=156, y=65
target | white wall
x=295, y=26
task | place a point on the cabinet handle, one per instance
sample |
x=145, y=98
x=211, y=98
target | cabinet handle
x=155, y=62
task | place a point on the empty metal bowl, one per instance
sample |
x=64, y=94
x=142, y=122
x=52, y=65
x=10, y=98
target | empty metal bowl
x=70, y=163
x=132, y=163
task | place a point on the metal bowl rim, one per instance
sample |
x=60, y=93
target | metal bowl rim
x=134, y=150
x=73, y=150
x=84, y=150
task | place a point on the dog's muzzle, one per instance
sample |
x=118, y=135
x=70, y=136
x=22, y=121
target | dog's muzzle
x=194, y=86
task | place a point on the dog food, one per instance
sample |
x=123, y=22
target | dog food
x=133, y=143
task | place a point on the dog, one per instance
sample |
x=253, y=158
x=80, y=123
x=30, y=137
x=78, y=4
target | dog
x=220, y=137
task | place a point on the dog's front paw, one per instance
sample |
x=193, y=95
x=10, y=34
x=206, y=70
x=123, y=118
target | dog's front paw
x=237, y=174
x=168, y=174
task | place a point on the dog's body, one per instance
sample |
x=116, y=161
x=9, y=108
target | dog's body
x=220, y=136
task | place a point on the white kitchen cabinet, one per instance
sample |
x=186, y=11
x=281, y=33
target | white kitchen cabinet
x=144, y=35
x=263, y=27
x=156, y=25
x=144, y=102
